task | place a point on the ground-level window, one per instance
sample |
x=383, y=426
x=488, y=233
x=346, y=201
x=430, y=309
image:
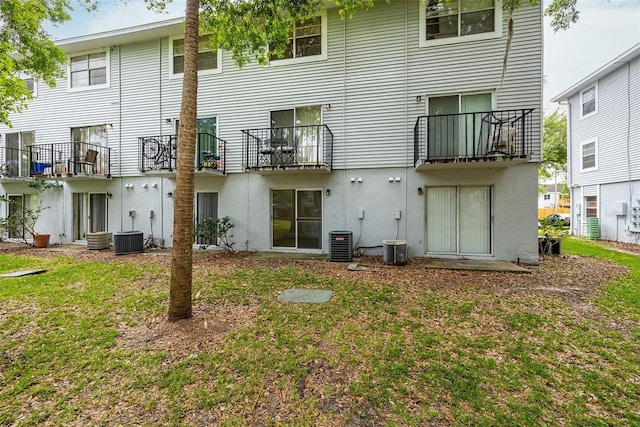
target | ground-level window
x=591, y=206
x=296, y=219
x=16, y=155
x=458, y=220
x=206, y=215
x=89, y=214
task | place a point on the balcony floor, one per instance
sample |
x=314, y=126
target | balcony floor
x=485, y=162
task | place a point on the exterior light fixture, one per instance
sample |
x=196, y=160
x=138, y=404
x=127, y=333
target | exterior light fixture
x=327, y=192
x=419, y=191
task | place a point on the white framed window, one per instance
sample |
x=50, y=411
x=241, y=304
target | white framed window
x=589, y=101
x=455, y=21
x=547, y=197
x=589, y=155
x=30, y=83
x=591, y=206
x=307, y=42
x=209, y=59
x=89, y=71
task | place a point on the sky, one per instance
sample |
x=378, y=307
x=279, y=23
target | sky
x=606, y=29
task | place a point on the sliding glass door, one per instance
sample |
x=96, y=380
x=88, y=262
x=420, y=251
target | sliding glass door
x=296, y=219
x=458, y=220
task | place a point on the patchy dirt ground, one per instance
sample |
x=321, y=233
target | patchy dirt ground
x=569, y=278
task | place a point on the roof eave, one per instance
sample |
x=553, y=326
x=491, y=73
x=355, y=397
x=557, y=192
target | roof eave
x=117, y=37
x=619, y=61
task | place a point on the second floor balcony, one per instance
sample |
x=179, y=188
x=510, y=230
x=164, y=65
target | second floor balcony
x=473, y=140
x=295, y=148
x=159, y=154
x=65, y=160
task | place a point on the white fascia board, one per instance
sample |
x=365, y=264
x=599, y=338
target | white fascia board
x=127, y=35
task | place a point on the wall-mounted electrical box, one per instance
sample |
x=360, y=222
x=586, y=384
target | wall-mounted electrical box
x=360, y=213
x=620, y=208
x=132, y=214
x=397, y=214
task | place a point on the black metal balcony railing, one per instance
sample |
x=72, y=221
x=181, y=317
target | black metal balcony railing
x=56, y=160
x=160, y=152
x=288, y=147
x=507, y=133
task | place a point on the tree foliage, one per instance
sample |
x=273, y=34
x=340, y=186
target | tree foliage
x=26, y=49
x=554, y=145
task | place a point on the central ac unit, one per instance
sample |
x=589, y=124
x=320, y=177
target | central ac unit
x=340, y=246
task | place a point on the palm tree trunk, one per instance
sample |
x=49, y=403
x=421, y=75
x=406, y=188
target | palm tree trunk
x=181, y=261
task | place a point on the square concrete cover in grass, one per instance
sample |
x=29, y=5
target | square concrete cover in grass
x=315, y=296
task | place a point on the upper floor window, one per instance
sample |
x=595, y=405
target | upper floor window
x=589, y=158
x=547, y=197
x=89, y=71
x=30, y=84
x=450, y=21
x=307, y=41
x=208, y=58
x=588, y=101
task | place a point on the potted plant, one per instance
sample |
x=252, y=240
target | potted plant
x=24, y=219
x=214, y=232
x=550, y=236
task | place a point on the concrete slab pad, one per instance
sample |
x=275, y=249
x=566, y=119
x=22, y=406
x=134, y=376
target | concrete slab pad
x=473, y=264
x=22, y=273
x=314, y=296
x=286, y=256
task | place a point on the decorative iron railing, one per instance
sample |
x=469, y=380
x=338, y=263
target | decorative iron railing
x=56, y=160
x=474, y=135
x=283, y=147
x=160, y=152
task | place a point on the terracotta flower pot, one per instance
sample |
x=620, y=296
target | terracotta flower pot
x=41, y=240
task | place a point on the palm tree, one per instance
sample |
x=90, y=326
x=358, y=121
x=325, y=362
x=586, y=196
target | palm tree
x=181, y=261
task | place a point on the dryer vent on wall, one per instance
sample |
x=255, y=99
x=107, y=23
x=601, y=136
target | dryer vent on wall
x=340, y=246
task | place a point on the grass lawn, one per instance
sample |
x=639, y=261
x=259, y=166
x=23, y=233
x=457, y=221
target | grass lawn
x=87, y=343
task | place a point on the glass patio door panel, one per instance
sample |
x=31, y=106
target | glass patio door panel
x=475, y=219
x=441, y=220
x=470, y=144
x=296, y=219
x=15, y=207
x=309, y=219
x=443, y=131
x=97, y=212
x=309, y=149
x=283, y=219
x=80, y=216
x=458, y=220
x=206, y=207
x=89, y=214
